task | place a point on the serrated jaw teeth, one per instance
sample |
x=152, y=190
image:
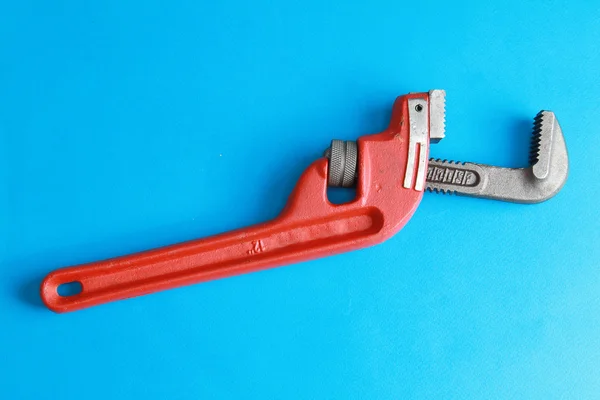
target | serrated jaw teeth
x=536, y=136
x=437, y=115
x=541, y=143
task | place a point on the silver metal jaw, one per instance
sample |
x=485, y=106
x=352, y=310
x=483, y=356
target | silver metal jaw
x=546, y=175
x=437, y=115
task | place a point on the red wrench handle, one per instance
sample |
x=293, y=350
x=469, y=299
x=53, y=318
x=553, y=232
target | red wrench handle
x=309, y=227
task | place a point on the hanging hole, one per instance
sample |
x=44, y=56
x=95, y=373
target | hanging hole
x=418, y=108
x=337, y=195
x=69, y=289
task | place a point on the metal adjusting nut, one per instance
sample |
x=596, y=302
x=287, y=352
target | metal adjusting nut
x=343, y=163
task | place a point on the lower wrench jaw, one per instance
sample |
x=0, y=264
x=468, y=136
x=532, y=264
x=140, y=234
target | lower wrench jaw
x=542, y=180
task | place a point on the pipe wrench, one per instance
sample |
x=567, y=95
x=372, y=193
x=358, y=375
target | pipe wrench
x=390, y=170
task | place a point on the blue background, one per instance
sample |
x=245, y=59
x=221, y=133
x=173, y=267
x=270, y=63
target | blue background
x=129, y=126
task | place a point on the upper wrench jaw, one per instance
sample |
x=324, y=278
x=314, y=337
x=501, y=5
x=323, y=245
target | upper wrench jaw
x=437, y=115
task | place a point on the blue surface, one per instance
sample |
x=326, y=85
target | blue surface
x=128, y=126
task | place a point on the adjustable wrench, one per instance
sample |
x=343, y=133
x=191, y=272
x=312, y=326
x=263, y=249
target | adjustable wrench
x=390, y=170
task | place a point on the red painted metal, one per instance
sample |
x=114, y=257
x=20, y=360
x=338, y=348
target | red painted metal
x=309, y=227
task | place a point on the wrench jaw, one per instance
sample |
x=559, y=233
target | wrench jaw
x=437, y=115
x=543, y=179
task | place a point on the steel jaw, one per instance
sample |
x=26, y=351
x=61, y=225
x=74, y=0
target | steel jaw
x=545, y=176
